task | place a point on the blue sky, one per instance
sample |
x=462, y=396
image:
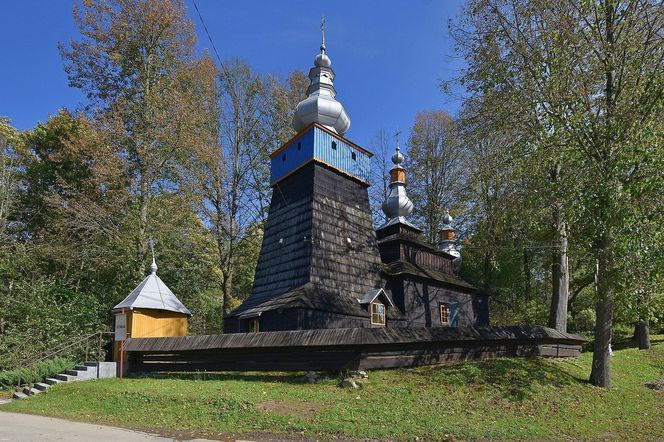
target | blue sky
x=388, y=56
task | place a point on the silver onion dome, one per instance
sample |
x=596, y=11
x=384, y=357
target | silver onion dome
x=447, y=219
x=321, y=106
x=397, y=204
x=447, y=242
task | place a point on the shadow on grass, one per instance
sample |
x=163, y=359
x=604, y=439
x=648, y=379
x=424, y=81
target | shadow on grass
x=629, y=342
x=517, y=379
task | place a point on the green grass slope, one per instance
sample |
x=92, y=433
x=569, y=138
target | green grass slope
x=515, y=399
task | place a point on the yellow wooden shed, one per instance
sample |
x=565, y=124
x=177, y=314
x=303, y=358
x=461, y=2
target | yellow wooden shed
x=152, y=310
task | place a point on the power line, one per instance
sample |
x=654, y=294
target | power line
x=214, y=48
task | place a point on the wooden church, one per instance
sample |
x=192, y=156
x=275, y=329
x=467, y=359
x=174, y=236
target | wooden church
x=322, y=265
x=333, y=293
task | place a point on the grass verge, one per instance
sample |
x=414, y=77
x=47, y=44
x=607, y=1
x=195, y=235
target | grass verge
x=515, y=399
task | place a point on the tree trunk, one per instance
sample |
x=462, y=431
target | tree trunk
x=527, y=286
x=488, y=287
x=600, y=374
x=560, y=277
x=143, y=221
x=642, y=334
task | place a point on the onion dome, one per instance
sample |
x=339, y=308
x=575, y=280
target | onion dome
x=397, y=205
x=447, y=219
x=447, y=240
x=321, y=106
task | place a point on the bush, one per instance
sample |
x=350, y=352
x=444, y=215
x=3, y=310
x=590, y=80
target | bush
x=584, y=320
x=40, y=371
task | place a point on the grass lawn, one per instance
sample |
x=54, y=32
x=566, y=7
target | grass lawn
x=516, y=399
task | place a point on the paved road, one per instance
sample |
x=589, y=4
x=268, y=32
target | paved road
x=16, y=427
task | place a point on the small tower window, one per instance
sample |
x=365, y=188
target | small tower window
x=353, y=156
x=377, y=313
x=299, y=146
x=254, y=325
x=444, y=313
x=334, y=145
x=283, y=157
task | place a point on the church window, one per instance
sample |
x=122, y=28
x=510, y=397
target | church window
x=444, y=313
x=334, y=145
x=254, y=326
x=354, y=156
x=299, y=146
x=283, y=158
x=377, y=313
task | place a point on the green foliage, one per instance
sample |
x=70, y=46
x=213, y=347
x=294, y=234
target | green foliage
x=39, y=372
x=499, y=399
x=584, y=320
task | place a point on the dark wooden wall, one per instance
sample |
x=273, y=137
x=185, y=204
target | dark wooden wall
x=420, y=300
x=350, y=348
x=342, y=357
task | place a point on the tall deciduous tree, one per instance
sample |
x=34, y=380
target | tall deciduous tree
x=589, y=73
x=9, y=165
x=382, y=146
x=434, y=158
x=133, y=62
x=249, y=117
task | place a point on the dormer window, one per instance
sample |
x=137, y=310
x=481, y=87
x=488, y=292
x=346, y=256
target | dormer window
x=334, y=145
x=299, y=146
x=377, y=313
x=354, y=156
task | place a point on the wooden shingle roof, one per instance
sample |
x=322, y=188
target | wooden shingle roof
x=353, y=336
x=318, y=242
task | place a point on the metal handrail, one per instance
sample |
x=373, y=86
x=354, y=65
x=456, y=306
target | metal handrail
x=45, y=353
x=30, y=363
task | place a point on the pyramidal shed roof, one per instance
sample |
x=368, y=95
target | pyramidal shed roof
x=152, y=293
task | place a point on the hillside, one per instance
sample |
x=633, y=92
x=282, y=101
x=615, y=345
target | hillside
x=517, y=399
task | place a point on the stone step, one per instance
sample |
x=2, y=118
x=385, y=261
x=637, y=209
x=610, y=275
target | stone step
x=91, y=364
x=19, y=395
x=73, y=372
x=52, y=381
x=30, y=391
x=81, y=368
x=65, y=377
x=41, y=386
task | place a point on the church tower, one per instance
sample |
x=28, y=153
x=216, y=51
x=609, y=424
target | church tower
x=319, y=265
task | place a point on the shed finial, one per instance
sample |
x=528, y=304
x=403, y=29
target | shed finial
x=153, y=266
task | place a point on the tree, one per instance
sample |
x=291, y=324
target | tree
x=434, y=159
x=229, y=172
x=382, y=147
x=134, y=62
x=9, y=164
x=590, y=73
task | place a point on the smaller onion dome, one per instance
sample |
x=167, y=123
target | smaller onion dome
x=397, y=204
x=447, y=219
x=447, y=240
x=322, y=60
x=398, y=157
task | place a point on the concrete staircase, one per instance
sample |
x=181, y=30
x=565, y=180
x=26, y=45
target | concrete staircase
x=89, y=370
